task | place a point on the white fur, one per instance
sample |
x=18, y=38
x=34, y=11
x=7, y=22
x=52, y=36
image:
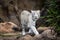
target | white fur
x=35, y=16
x=28, y=20
x=25, y=20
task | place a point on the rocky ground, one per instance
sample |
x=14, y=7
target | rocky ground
x=45, y=33
x=18, y=36
x=27, y=37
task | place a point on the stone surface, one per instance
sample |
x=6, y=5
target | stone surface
x=8, y=27
x=27, y=37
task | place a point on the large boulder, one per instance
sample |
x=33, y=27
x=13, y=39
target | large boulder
x=51, y=34
x=8, y=27
x=45, y=35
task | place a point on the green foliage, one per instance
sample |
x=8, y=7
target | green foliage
x=53, y=16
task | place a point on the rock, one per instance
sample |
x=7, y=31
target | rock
x=8, y=27
x=41, y=29
x=27, y=37
x=51, y=34
x=37, y=37
x=45, y=35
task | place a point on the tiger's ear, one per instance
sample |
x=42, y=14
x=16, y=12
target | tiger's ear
x=38, y=12
x=31, y=10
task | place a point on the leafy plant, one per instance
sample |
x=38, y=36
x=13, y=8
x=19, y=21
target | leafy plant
x=53, y=16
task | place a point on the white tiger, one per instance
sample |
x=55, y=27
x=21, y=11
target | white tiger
x=28, y=19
